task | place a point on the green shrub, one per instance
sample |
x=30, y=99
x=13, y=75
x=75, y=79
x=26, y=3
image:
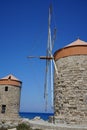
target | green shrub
x=3, y=128
x=23, y=126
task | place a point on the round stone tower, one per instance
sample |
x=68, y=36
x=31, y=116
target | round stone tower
x=70, y=85
x=10, y=89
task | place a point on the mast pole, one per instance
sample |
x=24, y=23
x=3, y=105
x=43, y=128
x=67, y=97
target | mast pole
x=50, y=50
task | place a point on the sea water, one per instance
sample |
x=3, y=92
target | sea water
x=31, y=115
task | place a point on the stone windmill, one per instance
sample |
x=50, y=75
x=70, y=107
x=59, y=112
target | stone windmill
x=10, y=90
x=70, y=87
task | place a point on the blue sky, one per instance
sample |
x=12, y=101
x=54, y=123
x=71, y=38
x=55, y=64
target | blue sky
x=23, y=32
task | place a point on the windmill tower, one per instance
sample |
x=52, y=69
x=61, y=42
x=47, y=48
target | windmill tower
x=70, y=87
x=10, y=89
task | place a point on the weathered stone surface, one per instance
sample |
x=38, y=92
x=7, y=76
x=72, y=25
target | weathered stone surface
x=12, y=129
x=70, y=90
x=11, y=99
x=59, y=126
x=10, y=88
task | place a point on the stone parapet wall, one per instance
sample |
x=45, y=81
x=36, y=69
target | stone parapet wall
x=70, y=90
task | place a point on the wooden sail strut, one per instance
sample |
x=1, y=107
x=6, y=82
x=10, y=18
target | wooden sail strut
x=42, y=57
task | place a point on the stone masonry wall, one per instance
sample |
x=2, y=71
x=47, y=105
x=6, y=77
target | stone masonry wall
x=70, y=90
x=11, y=99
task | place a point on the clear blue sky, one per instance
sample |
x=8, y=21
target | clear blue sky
x=23, y=32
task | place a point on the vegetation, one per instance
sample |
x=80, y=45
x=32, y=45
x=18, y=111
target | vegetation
x=3, y=128
x=24, y=126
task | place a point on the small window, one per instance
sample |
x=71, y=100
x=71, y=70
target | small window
x=3, y=108
x=6, y=88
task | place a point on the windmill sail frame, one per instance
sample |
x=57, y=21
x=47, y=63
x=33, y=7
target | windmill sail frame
x=49, y=62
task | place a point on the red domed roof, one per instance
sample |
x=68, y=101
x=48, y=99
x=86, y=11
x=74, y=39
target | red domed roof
x=10, y=80
x=77, y=47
